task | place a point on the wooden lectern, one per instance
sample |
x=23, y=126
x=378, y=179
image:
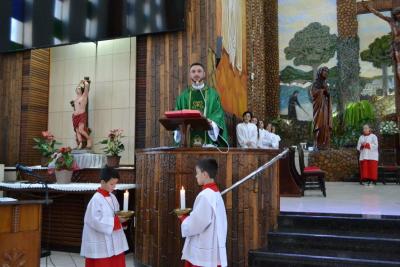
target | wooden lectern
x=185, y=124
x=20, y=230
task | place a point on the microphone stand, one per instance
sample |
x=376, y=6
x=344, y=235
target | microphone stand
x=42, y=181
x=44, y=252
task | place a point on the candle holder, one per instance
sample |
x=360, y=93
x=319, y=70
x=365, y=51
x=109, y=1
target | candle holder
x=180, y=212
x=126, y=214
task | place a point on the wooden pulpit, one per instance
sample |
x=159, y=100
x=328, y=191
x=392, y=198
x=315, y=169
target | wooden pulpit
x=185, y=124
x=20, y=229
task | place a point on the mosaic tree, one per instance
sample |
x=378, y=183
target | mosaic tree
x=312, y=46
x=379, y=54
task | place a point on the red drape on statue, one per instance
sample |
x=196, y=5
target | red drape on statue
x=114, y=261
x=369, y=170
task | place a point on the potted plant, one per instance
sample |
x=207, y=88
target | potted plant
x=46, y=146
x=113, y=147
x=63, y=164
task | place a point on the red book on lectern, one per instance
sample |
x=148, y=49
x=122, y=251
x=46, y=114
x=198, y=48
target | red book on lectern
x=185, y=113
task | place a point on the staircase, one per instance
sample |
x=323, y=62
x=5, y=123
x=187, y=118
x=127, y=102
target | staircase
x=331, y=240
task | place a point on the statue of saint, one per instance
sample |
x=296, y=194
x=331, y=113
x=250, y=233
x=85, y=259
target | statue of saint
x=322, y=110
x=80, y=116
x=394, y=23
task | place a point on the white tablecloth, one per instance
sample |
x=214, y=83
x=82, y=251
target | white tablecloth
x=88, y=160
x=72, y=187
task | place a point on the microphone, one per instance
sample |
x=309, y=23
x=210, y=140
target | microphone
x=23, y=168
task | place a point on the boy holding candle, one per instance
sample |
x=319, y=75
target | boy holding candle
x=103, y=239
x=206, y=228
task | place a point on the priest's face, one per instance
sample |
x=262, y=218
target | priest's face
x=109, y=185
x=197, y=74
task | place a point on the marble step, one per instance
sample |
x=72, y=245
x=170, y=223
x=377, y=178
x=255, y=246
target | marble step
x=259, y=258
x=340, y=224
x=335, y=245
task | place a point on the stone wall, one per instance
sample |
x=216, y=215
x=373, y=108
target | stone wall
x=339, y=164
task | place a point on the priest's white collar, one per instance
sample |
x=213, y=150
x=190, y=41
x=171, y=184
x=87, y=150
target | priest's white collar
x=198, y=86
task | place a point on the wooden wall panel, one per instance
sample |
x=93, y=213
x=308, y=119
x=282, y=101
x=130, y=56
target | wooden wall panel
x=11, y=79
x=252, y=208
x=140, y=112
x=34, y=103
x=24, y=91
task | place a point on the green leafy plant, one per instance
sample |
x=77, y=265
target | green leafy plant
x=113, y=144
x=388, y=127
x=347, y=127
x=46, y=144
x=357, y=113
x=63, y=160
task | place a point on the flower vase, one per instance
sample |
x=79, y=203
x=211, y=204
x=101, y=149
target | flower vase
x=113, y=161
x=63, y=176
x=44, y=161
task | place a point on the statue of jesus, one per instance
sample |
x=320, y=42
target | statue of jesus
x=79, y=117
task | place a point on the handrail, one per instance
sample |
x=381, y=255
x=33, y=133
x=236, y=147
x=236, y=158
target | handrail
x=260, y=169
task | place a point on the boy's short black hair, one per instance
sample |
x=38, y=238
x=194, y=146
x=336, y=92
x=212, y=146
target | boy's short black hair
x=107, y=173
x=197, y=64
x=247, y=112
x=208, y=165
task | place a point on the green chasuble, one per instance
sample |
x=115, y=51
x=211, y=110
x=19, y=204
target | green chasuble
x=193, y=99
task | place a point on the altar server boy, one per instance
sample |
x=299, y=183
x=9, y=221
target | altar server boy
x=206, y=228
x=103, y=239
x=368, y=147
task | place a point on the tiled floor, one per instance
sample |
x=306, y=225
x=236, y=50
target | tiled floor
x=345, y=197
x=65, y=259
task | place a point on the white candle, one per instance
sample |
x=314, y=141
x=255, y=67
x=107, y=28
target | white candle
x=126, y=200
x=183, y=203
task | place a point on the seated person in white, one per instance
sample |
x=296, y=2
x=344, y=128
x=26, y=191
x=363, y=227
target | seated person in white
x=246, y=132
x=264, y=137
x=275, y=138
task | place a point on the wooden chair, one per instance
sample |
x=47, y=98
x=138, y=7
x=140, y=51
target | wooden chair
x=313, y=178
x=388, y=170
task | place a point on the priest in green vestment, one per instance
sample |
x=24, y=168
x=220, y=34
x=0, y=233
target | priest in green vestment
x=200, y=96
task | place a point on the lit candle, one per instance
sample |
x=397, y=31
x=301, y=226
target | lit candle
x=183, y=205
x=126, y=200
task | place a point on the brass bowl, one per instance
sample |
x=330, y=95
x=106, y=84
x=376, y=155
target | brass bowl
x=180, y=212
x=126, y=214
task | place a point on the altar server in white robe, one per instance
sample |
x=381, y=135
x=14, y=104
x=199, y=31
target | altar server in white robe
x=275, y=139
x=368, y=147
x=206, y=228
x=103, y=239
x=265, y=138
x=246, y=132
